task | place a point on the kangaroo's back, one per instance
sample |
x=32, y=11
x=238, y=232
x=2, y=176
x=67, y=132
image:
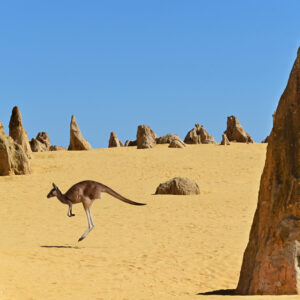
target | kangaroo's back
x=92, y=190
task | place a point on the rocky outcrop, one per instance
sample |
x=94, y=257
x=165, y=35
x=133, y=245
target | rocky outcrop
x=17, y=131
x=77, y=141
x=2, y=131
x=114, y=141
x=41, y=143
x=130, y=143
x=235, y=132
x=199, y=135
x=265, y=140
x=57, y=148
x=177, y=143
x=178, y=186
x=145, y=137
x=43, y=137
x=225, y=141
x=271, y=263
x=37, y=146
x=167, y=139
x=13, y=159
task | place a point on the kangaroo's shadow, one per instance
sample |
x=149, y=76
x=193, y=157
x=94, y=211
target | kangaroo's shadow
x=229, y=292
x=60, y=246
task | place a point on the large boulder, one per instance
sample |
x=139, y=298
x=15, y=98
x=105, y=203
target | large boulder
x=167, y=139
x=43, y=137
x=199, y=135
x=13, y=159
x=37, y=146
x=41, y=143
x=178, y=186
x=235, y=132
x=145, y=137
x=177, y=143
x=271, y=263
x=77, y=141
x=17, y=131
x=114, y=141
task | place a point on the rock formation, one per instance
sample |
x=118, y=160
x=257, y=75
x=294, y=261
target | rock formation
x=177, y=143
x=145, y=137
x=235, y=132
x=77, y=141
x=114, y=141
x=17, y=131
x=271, y=263
x=199, y=135
x=37, y=146
x=2, y=129
x=13, y=159
x=225, y=141
x=178, y=186
x=130, y=143
x=57, y=148
x=43, y=137
x=41, y=143
x=167, y=139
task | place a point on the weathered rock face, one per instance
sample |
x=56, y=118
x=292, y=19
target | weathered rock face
x=114, y=141
x=145, y=137
x=199, y=135
x=17, y=131
x=225, y=141
x=2, y=129
x=271, y=263
x=57, y=148
x=178, y=186
x=13, y=159
x=43, y=137
x=41, y=143
x=167, y=139
x=177, y=143
x=235, y=132
x=130, y=143
x=77, y=141
x=37, y=146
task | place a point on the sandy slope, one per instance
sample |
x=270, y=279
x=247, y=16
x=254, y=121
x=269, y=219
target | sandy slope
x=175, y=247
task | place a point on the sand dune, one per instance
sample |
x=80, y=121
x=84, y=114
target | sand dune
x=173, y=248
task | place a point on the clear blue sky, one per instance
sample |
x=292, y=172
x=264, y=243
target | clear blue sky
x=167, y=64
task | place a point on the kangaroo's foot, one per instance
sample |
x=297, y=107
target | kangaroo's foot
x=85, y=233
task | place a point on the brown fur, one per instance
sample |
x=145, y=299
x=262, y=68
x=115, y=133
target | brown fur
x=86, y=192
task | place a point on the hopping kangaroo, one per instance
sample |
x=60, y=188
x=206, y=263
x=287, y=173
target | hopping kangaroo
x=85, y=192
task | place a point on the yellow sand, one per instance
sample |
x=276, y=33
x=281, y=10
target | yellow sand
x=173, y=248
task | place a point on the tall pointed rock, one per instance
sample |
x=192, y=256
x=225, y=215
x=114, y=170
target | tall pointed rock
x=77, y=141
x=271, y=263
x=17, y=131
x=13, y=159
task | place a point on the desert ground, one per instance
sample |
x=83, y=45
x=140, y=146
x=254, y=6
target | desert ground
x=173, y=248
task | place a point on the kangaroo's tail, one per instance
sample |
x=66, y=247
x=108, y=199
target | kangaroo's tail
x=120, y=197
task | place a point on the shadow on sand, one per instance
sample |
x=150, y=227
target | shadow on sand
x=60, y=247
x=220, y=293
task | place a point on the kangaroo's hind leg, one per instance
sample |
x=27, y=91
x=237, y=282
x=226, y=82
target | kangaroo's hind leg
x=87, y=205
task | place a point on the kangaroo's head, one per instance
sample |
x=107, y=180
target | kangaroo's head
x=54, y=192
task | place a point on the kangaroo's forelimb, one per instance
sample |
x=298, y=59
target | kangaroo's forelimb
x=70, y=214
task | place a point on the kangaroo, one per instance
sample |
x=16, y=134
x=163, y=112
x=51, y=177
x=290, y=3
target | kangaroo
x=86, y=192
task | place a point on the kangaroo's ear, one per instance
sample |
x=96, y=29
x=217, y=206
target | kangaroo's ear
x=54, y=186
